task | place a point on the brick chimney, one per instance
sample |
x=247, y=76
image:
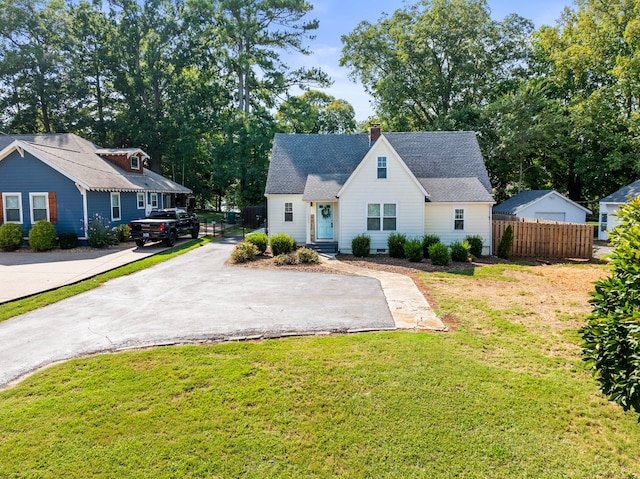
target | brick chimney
x=374, y=133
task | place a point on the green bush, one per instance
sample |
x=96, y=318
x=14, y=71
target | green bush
x=611, y=337
x=282, y=243
x=123, y=233
x=42, y=236
x=459, y=251
x=427, y=241
x=260, y=240
x=68, y=240
x=361, y=245
x=99, y=233
x=10, y=236
x=396, y=242
x=285, y=259
x=475, y=245
x=413, y=250
x=439, y=254
x=506, y=243
x=307, y=255
x=244, y=252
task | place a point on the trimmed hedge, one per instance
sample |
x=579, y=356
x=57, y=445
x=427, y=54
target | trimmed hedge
x=282, y=243
x=439, y=254
x=361, y=245
x=460, y=251
x=396, y=243
x=413, y=250
x=68, y=240
x=10, y=236
x=475, y=245
x=260, y=240
x=427, y=242
x=42, y=236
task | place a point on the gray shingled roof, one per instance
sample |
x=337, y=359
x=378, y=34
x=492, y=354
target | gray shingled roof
x=519, y=201
x=77, y=158
x=315, y=165
x=623, y=194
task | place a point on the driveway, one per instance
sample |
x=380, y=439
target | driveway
x=194, y=297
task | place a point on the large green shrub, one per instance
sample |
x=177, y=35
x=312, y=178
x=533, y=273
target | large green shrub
x=68, y=240
x=612, y=333
x=307, y=255
x=459, y=251
x=123, y=233
x=439, y=254
x=260, y=240
x=475, y=245
x=243, y=252
x=10, y=236
x=506, y=243
x=282, y=243
x=427, y=241
x=396, y=242
x=361, y=245
x=413, y=250
x=99, y=233
x=42, y=236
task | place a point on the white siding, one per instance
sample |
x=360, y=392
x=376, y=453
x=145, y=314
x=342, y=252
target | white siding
x=610, y=209
x=550, y=207
x=439, y=221
x=275, y=213
x=364, y=187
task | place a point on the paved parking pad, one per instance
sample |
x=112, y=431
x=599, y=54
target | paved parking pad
x=194, y=297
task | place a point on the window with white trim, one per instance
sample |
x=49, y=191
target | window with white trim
x=140, y=200
x=39, y=206
x=382, y=216
x=288, y=211
x=12, y=206
x=135, y=162
x=382, y=167
x=115, y=206
x=458, y=219
x=154, y=200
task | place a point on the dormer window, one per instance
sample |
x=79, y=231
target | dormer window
x=382, y=167
x=135, y=162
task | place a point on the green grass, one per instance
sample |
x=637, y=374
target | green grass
x=22, y=306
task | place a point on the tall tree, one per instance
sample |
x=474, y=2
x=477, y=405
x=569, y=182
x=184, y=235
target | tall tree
x=316, y=112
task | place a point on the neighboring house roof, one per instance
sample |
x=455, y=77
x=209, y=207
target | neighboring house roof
x=448, y=165
x=623, y=194
x=78, y=159
x=527, y=198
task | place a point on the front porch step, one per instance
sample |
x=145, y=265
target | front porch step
x=326, y=248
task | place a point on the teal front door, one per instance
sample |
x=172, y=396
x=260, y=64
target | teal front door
x=324, y=215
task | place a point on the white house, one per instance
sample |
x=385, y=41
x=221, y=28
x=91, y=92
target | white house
x=544, y=205
x=609, y=206
x=330, y=188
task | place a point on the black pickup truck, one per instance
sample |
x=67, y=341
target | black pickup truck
x=164, y=225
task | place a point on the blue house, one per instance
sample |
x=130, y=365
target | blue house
x=67, y=180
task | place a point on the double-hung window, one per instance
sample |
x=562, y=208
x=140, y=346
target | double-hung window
x=135, y=162
x=154, y=200
x=12, y=206
x=381, y=216
x=382, y=167
x=458, y=219
x=604, y=217
x=140, y=200
x=115, y=206
x=39, y=207
x=288, y=212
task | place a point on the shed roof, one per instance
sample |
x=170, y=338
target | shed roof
x=524, y=199
x=623, y=194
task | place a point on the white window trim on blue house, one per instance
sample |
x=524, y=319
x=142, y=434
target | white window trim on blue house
x=5, y=204
x=32, y=196
x=117, y=204
x=154, y=200
x=140, y=200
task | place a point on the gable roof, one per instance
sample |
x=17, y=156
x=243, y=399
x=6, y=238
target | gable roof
x=623, y=194
x=525, y=199
x=318, y=166
x=78, y=159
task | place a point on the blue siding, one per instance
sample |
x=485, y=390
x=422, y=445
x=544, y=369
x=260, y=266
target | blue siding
x=99, y=202
x=28, y=174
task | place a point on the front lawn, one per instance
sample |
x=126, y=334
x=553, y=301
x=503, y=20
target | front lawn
x=504, y=395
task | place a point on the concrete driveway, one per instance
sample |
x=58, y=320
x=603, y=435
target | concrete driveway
x=194, y=297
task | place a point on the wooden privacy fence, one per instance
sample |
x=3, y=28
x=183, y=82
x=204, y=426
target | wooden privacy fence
x=546, y=239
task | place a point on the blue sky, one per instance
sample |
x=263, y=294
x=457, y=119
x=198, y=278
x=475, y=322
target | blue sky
x=340, y=17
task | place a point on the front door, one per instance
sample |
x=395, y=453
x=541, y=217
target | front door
x=324, y=215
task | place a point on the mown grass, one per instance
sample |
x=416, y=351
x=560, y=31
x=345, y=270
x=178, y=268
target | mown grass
x=22, y=306
x=505, y=395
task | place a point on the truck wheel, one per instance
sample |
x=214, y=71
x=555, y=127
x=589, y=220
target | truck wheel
x=139, y=243
x=194, y=232
x=171, y=239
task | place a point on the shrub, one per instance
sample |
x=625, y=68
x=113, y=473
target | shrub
x=475, y=245
x=282, y=244
x=123, y=233
x=244, y=252
x=439, y=254
x=396, y=243
x=307, y=255
x=42, y=236
x=285, y=259
x=459, y=251
x=99, y=233
x=611, y=334
x=10, y=236
x=506, y=242
x=361, y=245
x=68, y=240
x=413, y=250
x=427, y=241
x=260, y=240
